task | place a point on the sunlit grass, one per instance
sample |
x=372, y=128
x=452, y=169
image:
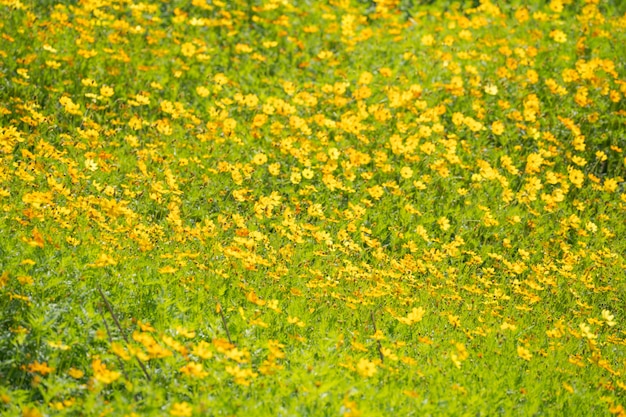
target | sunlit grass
x=312, y=208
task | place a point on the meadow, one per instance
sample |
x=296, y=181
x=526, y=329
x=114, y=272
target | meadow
x=312, y=208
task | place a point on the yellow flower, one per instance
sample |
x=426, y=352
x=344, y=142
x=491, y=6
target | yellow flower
x=586, y=332
x=610, y=185
x=106, y=91
x=23, y=72
x=365, y=78
x=91, y=165
x=414, y=316
x=202, y=350
x=296, y=321
x=102, y=374
x=274, y=169
x=388, y=353
x=120, y=351
x=366, y=368
x=167, y=270
x=497, y=128
x=465, y=35
x=135, y=123
x=241, y=376
x=522, y=15
x=556, y=6
x=386, y=72
x=558, y=36
x=376, y=192
x=352, y=410
x=316, y=210
x=454, y=320
x=576, y=177
x=104, y=260
x=491, y=89
x=75, y=373
x=27, y=280
x=533, y=163
x=194, y=369
x=202, y=91
x=58, y=344
x=419, y=185
x=220, y=79
x=40, y=368
x=189, y=334
x=70, y=106
x=459, y=355
x=325, y=55
x=507, y=326
x=428, y=40
x=30, y=412
x=188, y=49
x=182, y=409
x=295, y=177
x=524, y=353
x=422, y=232
x=275, y=348
x=608, y=318
x=406, y=172
x=570, y=75
x=259, y=159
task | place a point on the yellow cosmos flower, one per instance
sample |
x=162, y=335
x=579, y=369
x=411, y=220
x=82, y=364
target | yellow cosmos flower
x=497, y=128
x=491, y=89
x=524, y=353
x=75, y=373
x=406, y=172
x=366, y=368
x=182, y=409
x=558, y=36
x=414, y=316
x=188, y=49
x=202, y=91
x=102, y=373
x=106, y=91
x=259, y=159
x=194, y=369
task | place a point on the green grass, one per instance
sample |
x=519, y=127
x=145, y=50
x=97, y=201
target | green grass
x=312, y=208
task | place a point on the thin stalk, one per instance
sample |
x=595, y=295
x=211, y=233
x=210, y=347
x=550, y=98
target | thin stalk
x=380, y=347
x=219, y=309
x=119, y=326
x=106, y=326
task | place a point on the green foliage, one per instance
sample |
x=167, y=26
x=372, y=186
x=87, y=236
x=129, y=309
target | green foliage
x=312, y=208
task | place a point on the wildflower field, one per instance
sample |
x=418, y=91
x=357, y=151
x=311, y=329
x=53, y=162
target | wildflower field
x=324, y=208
